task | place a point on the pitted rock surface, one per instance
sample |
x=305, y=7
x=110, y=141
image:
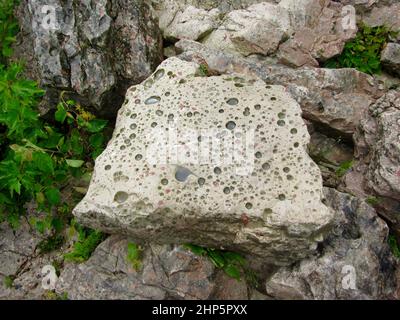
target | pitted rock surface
x=216, y=161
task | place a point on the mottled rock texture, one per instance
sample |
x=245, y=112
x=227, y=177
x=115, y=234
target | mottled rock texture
x=93, y=50
x=391, y=58
x=166, y=272
x=354, y=262
x=254, y=189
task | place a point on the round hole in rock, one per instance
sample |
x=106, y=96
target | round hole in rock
x=107, y=167
x=231, y=125
x=217, y=170
x=201, y=181
x=153, y=100
x=181, y=174
x=121, y=197
x=232, y=101
x=159, y=74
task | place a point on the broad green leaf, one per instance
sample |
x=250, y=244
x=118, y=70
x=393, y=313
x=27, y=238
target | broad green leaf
x=43, y=162
x=53, y=196
x=96, y=125
x=75, y=163
x=61, y=113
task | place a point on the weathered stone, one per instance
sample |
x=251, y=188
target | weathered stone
x=166, y=272
x=391, y=58
x=319, y=33
x=159, y=179
x=354, y=262
x=192, y=23
x=378, y=144
x=336, y=98
x=254, y=30
x=95, y=51
x=388, y=15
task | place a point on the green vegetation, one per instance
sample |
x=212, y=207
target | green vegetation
x=41, y=160
x=234, y=264
x=8, y=282
x=203, y=71
x=344, y=168
x=88, y=240
x=394, y=246
x=364, y=52
x=53, y=242
x=373, y=201
x=8, y=28
x=51, y=295
x=134, y=256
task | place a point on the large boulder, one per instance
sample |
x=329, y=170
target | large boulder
x=94, y=51
x=215, y=161
x=354, y=262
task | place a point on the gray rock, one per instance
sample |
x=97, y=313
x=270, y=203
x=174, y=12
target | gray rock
x=263, y=191
x=319, y=33
x=94, y=51
x=190, y=23
x=336, y=98
x=391, y=58
x=354, y=262
x=378, y=143
x=167, y=272
x=388, y=15
x=255, y=30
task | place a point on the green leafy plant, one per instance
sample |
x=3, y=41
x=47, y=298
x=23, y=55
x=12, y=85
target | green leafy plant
x=363, y=52
x=233, y=264
x=8, y=282
x=39, y=158
x=51, y=243
x=8, y=28
x=344, y=168
x=394, y=246
x=51, y=295
x=87, y=242
x=134, y=255
x=373, y=201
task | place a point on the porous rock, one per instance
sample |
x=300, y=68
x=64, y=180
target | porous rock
x=254, y=189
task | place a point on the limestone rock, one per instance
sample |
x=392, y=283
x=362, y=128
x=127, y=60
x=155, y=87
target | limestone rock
x=354, y=262
x=378, y=142
x=335, y=98
x=391, y=58
x=388, y=15
x=94, y=51
x=192, y=23
x=167, y=272
x=254, y=30
x=319, y=32
x=215, y=161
